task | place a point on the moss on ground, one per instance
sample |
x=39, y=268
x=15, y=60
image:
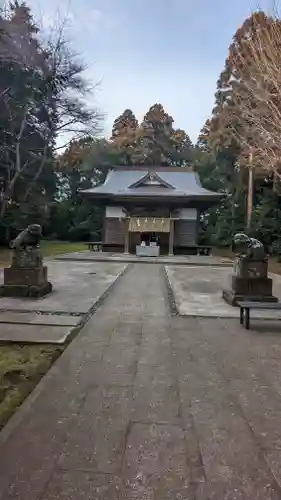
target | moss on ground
x=21, y=368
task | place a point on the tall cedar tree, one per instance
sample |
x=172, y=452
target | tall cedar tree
x=153, y=142
x=124, y=135
x=256, y=94
x=228, y=138
x=228, y=126
x=154, y=137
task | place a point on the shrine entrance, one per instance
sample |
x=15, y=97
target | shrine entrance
x=150, y=236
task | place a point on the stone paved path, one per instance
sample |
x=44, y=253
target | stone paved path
x=144, y=406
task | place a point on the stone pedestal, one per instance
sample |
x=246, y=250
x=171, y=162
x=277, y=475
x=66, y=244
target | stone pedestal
x=26, y=277
x=249, y=282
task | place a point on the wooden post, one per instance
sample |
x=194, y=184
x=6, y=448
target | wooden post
x=250, y=191
x=126, y=243
x=171, y=238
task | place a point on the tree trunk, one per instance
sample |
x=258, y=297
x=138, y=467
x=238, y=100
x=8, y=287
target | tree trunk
x=250, y=192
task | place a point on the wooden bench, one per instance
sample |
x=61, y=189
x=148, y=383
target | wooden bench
x=203, y=250
x=195, y=249
x=245, y=308
x=94, y=246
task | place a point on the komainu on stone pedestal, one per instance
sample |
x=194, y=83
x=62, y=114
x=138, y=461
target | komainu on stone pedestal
x=27, y=276
x=249, y=280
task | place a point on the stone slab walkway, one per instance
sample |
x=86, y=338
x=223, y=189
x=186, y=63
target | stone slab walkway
x=36, y=328
x=77, y=288
x=34, y=318
x=34, y=334
x=198, y=292
x=146, y=406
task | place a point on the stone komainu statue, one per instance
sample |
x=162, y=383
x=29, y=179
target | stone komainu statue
x=30, y=236
x=26, y=276
x=248, y=248
x=249, y=280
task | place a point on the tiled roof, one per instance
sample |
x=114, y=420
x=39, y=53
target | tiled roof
x=176, y=183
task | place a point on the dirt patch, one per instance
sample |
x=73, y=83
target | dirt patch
x=21, y=368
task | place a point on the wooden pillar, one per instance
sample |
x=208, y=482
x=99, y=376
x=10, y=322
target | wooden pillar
x=126, y=243
x=171, y=237
x=197, y=226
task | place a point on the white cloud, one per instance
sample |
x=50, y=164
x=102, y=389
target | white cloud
x=79, y=20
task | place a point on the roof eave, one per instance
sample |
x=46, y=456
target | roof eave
x=212, y=197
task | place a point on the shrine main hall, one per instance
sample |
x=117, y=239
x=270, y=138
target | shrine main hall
x=151, y=210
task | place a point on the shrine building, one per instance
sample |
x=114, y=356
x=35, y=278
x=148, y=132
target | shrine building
x=151, y=210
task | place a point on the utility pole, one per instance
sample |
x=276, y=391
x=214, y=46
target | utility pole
x=250, y=191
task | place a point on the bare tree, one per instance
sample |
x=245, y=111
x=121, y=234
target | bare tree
x=257, y=94
x=49, y=101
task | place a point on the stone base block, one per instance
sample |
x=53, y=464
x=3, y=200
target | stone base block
x=252, y=286
x=249, y=269
x=32, y=291
x=25, y=276
x=232, y=297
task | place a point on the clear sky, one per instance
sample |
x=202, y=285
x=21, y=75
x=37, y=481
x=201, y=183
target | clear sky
x=147, y=51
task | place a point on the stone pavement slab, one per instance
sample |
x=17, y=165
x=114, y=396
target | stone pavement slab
x=98, y=440
x=38, y=319
x=35, y=334
x=198, y=292
x=79, y=485
x=144, y=405
x=77, y=286
x=155, y=463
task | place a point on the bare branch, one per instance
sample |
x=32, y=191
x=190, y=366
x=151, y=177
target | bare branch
x=257, y=94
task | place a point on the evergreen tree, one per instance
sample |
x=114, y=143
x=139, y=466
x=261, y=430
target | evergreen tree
x=85, y=163
x=154, y=137
x=182, y=152
x=124, y=135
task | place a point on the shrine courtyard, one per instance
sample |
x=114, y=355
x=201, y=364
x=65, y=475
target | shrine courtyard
x=160, y=395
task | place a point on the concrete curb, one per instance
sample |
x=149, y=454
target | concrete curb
x=170, y=294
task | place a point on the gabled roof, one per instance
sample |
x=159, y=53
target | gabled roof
x=151, y=179
x=125, y=182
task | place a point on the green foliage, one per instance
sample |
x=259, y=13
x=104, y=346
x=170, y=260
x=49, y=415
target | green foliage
x=266, y=222
x=42, y=95
x=219, y=171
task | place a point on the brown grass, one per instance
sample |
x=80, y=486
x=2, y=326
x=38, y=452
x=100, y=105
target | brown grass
x=21, y=368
